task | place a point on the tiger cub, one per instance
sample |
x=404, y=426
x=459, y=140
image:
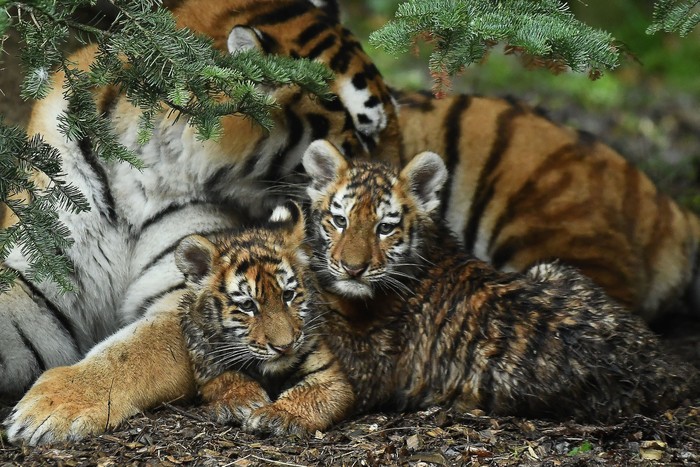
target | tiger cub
x=249, y=318
x=416, y=321
x=521, y=190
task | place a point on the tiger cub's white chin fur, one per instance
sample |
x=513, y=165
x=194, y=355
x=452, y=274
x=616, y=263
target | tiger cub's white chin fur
x=352, y=288
x=280, y=364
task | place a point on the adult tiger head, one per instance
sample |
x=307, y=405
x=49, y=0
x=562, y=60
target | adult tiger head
x=363, y=112
x=247, y=300
x=369, y=218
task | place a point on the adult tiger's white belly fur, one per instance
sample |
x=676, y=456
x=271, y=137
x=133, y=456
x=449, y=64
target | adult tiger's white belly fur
x=123, y=247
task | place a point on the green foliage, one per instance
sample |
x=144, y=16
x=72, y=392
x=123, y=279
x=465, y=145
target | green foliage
x=675, y=16
x=154, y=64
x=586, y=446
x=464, y=31
x=39, y=231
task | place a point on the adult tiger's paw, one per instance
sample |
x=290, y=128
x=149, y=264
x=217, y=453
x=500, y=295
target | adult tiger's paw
x=63, y=406
x=273, y=419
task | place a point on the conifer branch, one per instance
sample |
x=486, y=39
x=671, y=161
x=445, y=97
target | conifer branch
x=156, y=66
x=463, y=31
x=681, y=16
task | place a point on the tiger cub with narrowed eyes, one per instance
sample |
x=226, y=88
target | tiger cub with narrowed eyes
x=249, y=319
x=419, y=322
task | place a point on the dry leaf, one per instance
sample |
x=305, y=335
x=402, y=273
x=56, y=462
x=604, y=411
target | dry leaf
x=479, y=452
x=652, y=450
x=531, y=452
x=105, y=462
x=413, y=442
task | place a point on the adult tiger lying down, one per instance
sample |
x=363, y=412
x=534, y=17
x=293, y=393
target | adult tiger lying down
x=122, y=254
x=414, y=321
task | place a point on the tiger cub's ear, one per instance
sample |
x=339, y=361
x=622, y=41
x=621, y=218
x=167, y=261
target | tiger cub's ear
x=290, y=217
x=324, y=164
x=425, y=174
x=243, y=38
x=195, y=257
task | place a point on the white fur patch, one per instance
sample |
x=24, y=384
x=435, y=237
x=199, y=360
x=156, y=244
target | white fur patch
x=352, y=288
x=280, y=214
x=354, y=99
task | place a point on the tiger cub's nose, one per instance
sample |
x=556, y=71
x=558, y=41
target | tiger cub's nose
x=354, y=270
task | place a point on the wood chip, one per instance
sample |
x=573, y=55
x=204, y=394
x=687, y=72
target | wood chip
x=413, y=442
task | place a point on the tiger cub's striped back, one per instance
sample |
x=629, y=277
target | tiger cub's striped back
x=522, y=189
x=249, y=318
x=419, y=322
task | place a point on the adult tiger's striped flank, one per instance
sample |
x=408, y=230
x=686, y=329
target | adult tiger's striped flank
x=522, y=190
x=123, y=247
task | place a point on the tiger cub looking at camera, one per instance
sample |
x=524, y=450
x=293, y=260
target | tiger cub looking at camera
x=248, y=318
x=419, y=322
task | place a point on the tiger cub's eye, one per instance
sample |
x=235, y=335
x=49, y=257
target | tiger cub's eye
x=340, y=221
x=288, y=295
x=385, y=228
x=247, y=306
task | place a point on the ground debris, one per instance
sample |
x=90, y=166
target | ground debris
x=168, y=437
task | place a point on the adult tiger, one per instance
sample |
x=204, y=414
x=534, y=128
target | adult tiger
x=523, y=190
x=123, y=247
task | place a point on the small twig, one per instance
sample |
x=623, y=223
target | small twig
x=398, y=428
x=272, y=461
x=184, y=413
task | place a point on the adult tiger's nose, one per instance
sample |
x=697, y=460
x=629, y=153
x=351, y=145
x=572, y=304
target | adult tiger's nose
x=354, y=270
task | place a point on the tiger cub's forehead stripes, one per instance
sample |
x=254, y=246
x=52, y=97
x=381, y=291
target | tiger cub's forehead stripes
x=368, y=193
x=258, y=266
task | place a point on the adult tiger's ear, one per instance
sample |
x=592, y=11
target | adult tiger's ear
x=425, y=174
x=195, y=257
x=323, y=163
x=330, y=7
x=243, y=38
x=290, y=217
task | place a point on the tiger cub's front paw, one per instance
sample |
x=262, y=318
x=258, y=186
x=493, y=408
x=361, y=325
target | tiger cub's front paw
x=62, y=405
x=273, y=419
x=231, y=398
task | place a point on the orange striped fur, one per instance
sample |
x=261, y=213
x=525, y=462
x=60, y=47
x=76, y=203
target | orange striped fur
x=522, y=189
